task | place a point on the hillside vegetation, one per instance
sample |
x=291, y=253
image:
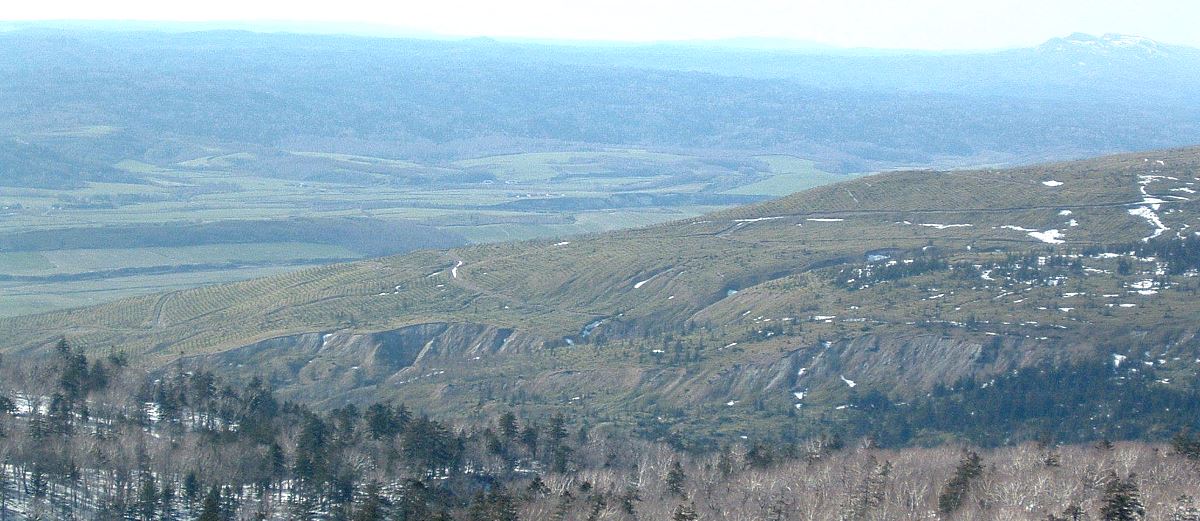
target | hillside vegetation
x=246, y=150
x=800, y=312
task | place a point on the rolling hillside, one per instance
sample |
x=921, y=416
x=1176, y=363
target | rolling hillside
x=788, y=311
x=225, y=135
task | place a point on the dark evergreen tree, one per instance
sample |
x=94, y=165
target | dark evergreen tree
x=508, y=425
x=495, y=505
x=503, y=508
x=1186, y=444
x=413, y=503
x=1121, y=500
x=1071, y=513
x=529, y=438
x=373, y=506
x=676, y=480
x=628, y=500
x=191, y=488
x=167, y=503
x=311, y=447
x=210, y=510
x=558, y=429
x=5, y=490
x=37, y=481
x=148, y=498
x=562, y=459
x=760, y=456
x=538, y=487
x=954, y=493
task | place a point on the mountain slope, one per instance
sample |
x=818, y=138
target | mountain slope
x=894, y=283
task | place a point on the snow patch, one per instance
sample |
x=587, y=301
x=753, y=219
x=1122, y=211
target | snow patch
x=643, y=283
x=1052, y=183
x=944, y=226
x=1148, y=214
x=1017, y=228
x=757, y=219
x=848, y=381
x=825, y=220
x=1048, y=236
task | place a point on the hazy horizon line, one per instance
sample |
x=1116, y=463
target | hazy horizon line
x=373, y=30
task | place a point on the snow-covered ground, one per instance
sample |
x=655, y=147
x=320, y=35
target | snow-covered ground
x=944, y=226
x=1048, y=236
x=639, y=284
x=1147, y=213
x=1017, y=228
x=756, y=219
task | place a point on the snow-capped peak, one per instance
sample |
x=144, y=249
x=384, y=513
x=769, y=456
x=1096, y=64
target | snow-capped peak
x=1109, y=42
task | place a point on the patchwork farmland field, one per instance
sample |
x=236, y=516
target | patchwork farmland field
x=222, y=214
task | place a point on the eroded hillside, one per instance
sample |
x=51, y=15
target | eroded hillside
x=895, y=283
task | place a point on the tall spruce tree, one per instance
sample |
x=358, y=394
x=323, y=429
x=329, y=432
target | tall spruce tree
x=210, y=509
x=676, y=479
x=954, y=493
x=1122, y=500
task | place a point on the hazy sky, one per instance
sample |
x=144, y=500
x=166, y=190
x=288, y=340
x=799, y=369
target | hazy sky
x=924, y=24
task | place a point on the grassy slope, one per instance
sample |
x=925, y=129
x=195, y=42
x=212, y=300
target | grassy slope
x=559, y=287
x=735, y=273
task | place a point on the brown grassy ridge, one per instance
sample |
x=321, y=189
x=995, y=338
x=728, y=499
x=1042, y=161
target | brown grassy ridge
x=668, y=275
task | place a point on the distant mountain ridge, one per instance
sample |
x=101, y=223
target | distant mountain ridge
x=437, y=100
x=1109, y=42
x=1118, y=61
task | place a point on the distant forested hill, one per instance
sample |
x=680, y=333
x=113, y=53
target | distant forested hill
x=426, y=99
